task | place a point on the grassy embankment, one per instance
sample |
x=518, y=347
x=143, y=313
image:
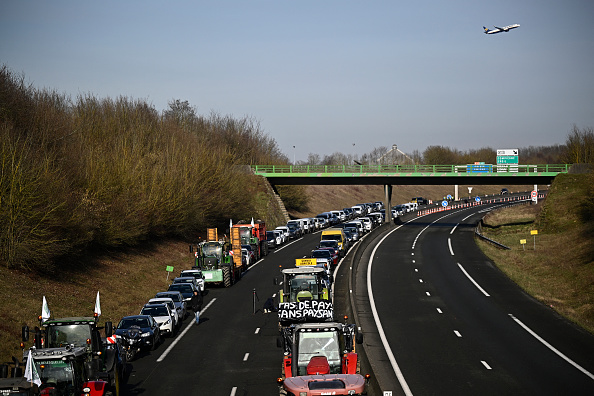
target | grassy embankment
x=91, y=188
x=560, y=270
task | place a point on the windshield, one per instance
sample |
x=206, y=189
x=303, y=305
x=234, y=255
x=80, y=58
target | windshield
x=126, y=323
x=160, y=310
x=57, y=373
x=212, y=250
x=332, y=237
x=321, y=254
x=174, y=296
x=327, y=243
x=303, y=282
x=68, y=334
x=181, y=287
x=319, y=343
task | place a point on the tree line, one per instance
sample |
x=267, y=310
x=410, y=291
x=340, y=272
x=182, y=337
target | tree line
x=578, y=149
x=106, y=173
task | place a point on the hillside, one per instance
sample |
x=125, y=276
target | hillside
x=556, y=265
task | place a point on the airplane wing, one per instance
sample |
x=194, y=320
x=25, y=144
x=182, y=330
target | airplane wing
x=498, y=27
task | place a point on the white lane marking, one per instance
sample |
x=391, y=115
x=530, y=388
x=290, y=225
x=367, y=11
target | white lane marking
x=454, y=229
x=416, y=270
x=420, y=280
x=274, y=295
x=473, y=281
x=233, y=391
x=470, y=215
x=170, y=347
x=428, y=294
x=378, y=323
x=439, y=311
x=245, y=357
x=450, y=246
x=486, y=365
x=552, y=348
x=414, y=261
x=457, y=333
x=257, y=330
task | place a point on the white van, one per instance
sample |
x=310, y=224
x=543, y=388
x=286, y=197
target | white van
x=358, y=210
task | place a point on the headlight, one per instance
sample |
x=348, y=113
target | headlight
x=168, y=321
x=145, y=335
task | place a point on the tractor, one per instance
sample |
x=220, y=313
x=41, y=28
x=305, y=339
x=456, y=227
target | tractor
x=220, y=260
x=319, y=348
x=102, y=360
x=64, y=371
x=254, y=234
x=305, y=282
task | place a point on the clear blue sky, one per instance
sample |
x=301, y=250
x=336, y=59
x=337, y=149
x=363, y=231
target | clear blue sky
x=326, y=74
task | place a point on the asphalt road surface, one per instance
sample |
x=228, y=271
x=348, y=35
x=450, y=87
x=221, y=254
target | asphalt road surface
x=440, y=319
x=233, y=350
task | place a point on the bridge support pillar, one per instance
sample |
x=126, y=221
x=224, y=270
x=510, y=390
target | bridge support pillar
x=388, y=202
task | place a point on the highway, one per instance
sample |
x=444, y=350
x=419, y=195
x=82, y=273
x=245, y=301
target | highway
x=440, y=319
x=232, y=351
x=437, y=317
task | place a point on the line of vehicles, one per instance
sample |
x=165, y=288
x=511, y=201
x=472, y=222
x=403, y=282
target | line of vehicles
x=319, y=350
x=71, y=358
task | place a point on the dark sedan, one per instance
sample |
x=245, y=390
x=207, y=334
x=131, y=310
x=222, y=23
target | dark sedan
x=143, y=328
x=192, y=296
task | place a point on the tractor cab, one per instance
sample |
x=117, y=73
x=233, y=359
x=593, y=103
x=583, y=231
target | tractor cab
x=210, y=255
x=304, y=283
x=319, y=348
x=62, y=371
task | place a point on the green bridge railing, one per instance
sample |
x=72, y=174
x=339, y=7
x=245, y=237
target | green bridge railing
x=408, y=170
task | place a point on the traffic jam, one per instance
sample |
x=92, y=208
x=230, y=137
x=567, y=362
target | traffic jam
x=319, y=352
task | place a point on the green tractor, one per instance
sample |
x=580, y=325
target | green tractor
x=101, y=359
x=218, y=264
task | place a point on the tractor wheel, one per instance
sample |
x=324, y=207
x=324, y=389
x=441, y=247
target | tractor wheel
x=227, y=276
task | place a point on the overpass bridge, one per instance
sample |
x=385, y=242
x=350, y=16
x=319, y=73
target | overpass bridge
x=389, y=175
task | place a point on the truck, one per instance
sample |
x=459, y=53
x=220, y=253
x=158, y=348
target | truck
x=219, y=259
x=102, y=360
x=254, y=234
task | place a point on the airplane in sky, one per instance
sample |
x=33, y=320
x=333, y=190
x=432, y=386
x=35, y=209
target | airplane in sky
x=499, y=30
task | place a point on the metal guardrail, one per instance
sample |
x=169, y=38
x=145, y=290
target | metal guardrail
x=403, y=170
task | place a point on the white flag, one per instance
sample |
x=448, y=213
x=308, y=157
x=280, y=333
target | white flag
x=31, y=373
x=230, y=225
x=45, y=311
x=98, y=305
x=252, y=223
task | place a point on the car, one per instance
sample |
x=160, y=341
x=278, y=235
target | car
x=162, y=315
x=285, y=231
x=271, y=239
x=190, y=279
x=294, y=231
x=197, y=274
x=504, y=191
x=178, y=301
x=333, y=253
x=280, y=235
x=148, y=328
x=169, y=302
x=192, y=296
x=324, y=256
x=367, y=223
x=354, y=232
x=251, y=255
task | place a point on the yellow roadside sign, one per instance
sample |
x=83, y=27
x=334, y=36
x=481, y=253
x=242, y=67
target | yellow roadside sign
x=304, y=262
x=522, y=241
x=534, y=232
